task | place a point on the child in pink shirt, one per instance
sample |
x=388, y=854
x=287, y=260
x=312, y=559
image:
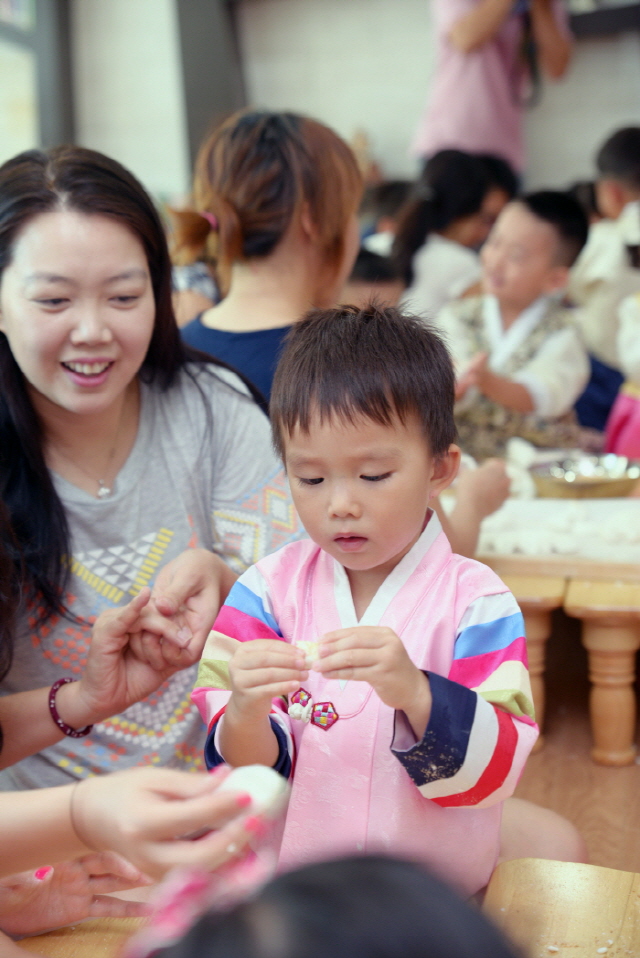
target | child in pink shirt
x=384, y=675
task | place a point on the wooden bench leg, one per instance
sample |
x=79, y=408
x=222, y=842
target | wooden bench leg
x=537, y=629
x=611, y=649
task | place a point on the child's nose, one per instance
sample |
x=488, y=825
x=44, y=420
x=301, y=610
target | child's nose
x=343, y=502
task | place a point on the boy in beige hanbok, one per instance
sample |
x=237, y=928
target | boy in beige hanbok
x=519, y=356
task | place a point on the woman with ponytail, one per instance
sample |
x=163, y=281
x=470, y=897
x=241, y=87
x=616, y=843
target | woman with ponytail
x=454, y=205
x=276, y=196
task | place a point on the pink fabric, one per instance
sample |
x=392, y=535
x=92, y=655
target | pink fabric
x=475, y=98
x=349, y=792
x=622, y=434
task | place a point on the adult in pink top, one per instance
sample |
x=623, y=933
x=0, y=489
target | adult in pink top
x=479, y=86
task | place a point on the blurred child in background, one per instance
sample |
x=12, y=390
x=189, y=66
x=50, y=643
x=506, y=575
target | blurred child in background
x=520, y=360
x=608, y=270
x=448, y=217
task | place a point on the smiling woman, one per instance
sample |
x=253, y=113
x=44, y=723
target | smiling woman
x=119, y=449
x=77, y=310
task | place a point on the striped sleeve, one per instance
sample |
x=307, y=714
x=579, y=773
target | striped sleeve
x=246, y=615
x=482, y=726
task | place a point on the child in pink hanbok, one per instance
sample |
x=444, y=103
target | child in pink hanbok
x=385, y=676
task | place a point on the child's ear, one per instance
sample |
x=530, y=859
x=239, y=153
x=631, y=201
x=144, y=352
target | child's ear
x=611, y=198
x=557, y=279
x=445, y=469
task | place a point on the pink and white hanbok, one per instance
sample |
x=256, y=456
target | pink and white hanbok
x=361, y=782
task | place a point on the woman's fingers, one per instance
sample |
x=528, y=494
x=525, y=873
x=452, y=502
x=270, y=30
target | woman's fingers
x=114, y=866
x=103, y=906
x=210, y=852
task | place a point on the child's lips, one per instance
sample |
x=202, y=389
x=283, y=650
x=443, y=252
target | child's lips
x=350, y=543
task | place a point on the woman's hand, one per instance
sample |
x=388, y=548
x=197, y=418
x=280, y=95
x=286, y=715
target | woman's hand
x=190, y=590
x=144, y=813
x=119, y=669
x=32, y=902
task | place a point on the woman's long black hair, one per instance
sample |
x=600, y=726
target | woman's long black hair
x=32, y=183
x=452, y=185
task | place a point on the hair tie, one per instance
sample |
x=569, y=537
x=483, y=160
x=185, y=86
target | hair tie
x=210, y=218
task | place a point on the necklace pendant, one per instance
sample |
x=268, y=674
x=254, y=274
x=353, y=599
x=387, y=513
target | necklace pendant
x=103, y=491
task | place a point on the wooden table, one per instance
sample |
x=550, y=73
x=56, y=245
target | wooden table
x=96, y=938
x=563, y=910
x=605, y=596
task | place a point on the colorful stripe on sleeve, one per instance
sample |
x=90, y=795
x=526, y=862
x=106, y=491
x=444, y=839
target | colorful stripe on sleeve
x=247, y=614
x=481, y=727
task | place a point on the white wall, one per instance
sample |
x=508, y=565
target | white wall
x=350, y=63
x=367, y=63
x=128, y=88
x=600, y=94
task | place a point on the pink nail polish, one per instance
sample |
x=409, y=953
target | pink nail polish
x=42, y=873
x=243, y=800
x=255, y=825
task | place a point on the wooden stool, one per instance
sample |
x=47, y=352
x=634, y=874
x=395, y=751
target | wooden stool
x=560, y=908
x=610, y=613
x=96, y=938
x=537, y=596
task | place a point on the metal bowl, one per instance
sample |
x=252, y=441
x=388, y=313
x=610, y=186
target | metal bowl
x=586, y=477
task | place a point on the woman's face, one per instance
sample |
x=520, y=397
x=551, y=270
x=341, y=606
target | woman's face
x=77, y=308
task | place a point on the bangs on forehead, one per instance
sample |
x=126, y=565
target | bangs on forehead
x=344, y=408
x=374, y=363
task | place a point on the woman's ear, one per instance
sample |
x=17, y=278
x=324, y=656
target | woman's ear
x=307, y=225
x=445, y=469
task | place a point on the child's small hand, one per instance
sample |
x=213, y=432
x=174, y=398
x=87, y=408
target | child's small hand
x=263, y=669
x=486, y=487
x=472, y=375
x=376, y=655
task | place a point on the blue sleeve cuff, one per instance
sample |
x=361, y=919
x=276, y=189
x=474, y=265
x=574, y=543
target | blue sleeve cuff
x=283, y=764
x=443, y=748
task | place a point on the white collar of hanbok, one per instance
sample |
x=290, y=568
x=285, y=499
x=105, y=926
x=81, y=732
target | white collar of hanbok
x=504, y=342
x=629, y=224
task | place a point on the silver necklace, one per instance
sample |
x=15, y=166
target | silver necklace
x=104, y=490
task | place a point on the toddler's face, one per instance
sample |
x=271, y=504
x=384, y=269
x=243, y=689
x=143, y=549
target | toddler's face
x=519, y=259
x=362, y=489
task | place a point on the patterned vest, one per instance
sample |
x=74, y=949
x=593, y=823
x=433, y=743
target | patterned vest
x=485, y=427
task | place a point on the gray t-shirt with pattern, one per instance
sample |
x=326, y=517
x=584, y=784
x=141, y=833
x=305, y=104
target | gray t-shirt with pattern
x=201, y=473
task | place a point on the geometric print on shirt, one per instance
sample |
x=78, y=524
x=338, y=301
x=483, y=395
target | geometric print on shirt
x=266, y=521
x=123, y=568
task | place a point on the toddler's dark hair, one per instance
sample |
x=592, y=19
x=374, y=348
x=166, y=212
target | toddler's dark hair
x=374, y=362
x=565, y=214
x=365, y=907
x=619, y=157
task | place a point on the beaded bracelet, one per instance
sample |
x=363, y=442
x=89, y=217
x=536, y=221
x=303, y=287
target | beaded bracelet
x=64, y=728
